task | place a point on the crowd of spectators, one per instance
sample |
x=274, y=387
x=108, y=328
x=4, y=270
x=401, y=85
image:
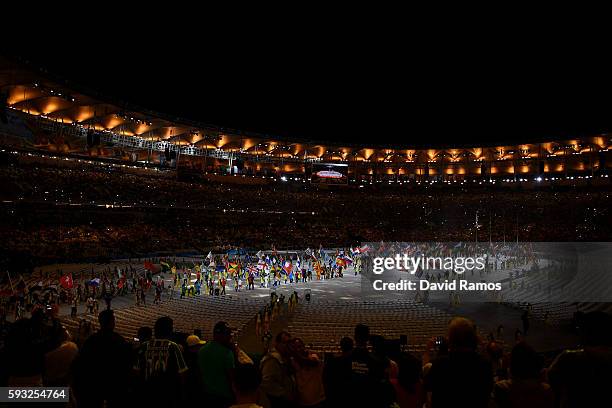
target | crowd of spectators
x=162, y=367
x=55, y=213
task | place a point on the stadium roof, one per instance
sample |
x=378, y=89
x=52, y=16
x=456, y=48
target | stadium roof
x=40, y=93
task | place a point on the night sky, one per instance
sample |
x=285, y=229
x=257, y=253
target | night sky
x=351, y=96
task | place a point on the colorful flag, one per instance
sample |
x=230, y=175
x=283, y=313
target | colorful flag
x=66, y=282
x=287, y=266
x=148, y=265
x=340, y=261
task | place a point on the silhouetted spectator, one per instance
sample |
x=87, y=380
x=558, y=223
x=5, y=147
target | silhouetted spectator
x=161, y=366
x=463, y=378
x=102, y=370
x=245, y=385
x=408, y=386
x=216, y=362
x=369, y=385
x=582, y=377
x=525, y=388
x=276, y=379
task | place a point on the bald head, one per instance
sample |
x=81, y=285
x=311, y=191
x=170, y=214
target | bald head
x=462, y=335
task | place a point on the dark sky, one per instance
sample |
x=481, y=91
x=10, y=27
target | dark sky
x=356, y=94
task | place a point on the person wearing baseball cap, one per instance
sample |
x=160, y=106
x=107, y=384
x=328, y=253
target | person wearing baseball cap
x=194, y=341
x=194, y=344
x=216, y=362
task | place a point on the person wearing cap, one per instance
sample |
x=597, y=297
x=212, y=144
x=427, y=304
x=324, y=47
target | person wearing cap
x=193, y=381
x=216, y=363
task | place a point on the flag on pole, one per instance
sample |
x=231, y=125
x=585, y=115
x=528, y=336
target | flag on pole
x=287, y=266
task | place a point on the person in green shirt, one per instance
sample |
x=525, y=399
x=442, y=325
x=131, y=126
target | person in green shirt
x=216, y=362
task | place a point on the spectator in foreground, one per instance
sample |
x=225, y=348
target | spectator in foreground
x=369, y=385
x=194, y=377
x=408, y=385
x=308, y=369
x=525, y=388
x=582, y=377
x=161, y=366
x=24, y=355
x=245, y=385
x=463, y=377
x=337, y=373
x=216, y=363
x=277, y=380
x=59, y=360
x=102, y=370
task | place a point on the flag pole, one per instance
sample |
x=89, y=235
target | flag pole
x=489, y=227
x=476, y=226
x=517, y=229
x=10, y=281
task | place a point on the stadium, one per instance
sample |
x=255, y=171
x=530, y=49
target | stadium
x=156, y=260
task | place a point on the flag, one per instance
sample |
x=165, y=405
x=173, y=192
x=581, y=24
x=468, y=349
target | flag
x=340, y=261
x=165, y=266
x=95, y=282
x=148, y=265
x=66, y=282
x=287, y=266
x=209, y=256
x=121, y=283
x=259, y=254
